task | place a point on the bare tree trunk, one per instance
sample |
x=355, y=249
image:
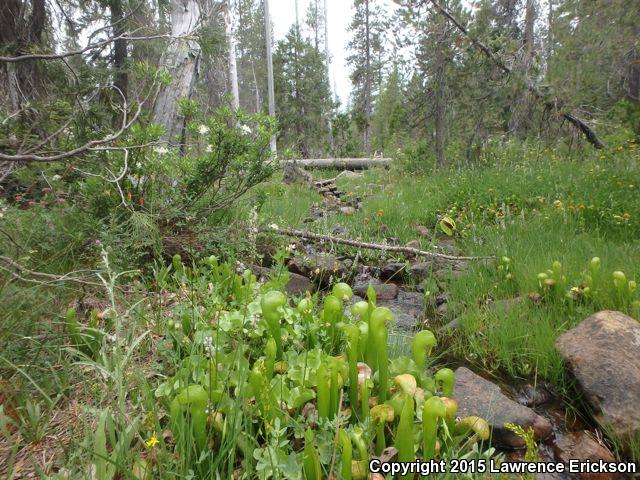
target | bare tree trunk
x=441, y=105
x=181, y=60
x=367, y=84
x=327, y=60
x=549, y=46
x=232, y=63
x=272, y=101
x=257, y=88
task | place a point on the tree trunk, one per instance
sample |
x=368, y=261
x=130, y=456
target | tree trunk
x=327, y=60
x=441, y=105
x=232, y=63
x=121, y=80
x=181, y=60
x=22, y=23
x=367, y=84
x=270, y=87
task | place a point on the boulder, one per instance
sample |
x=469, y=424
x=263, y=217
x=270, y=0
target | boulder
x=384, y=291
x=482, y=398
x=393, y=271
x=603, y=353
x=299, y=285
x=583, y=446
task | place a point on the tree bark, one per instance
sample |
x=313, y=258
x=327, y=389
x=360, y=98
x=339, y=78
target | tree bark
x=121, y=80
x=232, y=62
x=327, y=60
x=22, y=24
x=181, y=60
x=270, y=87
x=441, y=106
x=367, y=83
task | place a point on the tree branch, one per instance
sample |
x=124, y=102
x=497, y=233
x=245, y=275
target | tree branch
x=91, y=46
x=371, y=246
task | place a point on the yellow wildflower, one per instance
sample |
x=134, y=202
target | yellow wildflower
x=153, y=441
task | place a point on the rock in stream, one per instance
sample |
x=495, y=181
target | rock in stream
x=603, y=352
x=480, y=397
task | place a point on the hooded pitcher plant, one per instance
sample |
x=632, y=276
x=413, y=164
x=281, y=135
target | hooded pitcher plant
x=432, y=409
x=192, y=400
x=421, y=346
x=352, y=333
x=271, y=304
x=378, y=331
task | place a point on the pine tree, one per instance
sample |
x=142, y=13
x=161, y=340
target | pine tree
x=302, y=95
x=366, y=49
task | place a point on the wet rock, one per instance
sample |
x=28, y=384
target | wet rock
x=298, y=285
x=422, y=270
x=582, y=446
x=392, y=271
x=477, y=396
x=348, y=211
x=531, y=396
x=407, y=308
x=603, y=352
x=319, y=266
x=423, y=231
x=384, y=291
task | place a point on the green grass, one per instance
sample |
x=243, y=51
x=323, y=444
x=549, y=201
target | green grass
x=534, y=208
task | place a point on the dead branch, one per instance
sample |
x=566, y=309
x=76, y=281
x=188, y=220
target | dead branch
x=316, y=237
x=552, y=104
x=91, y=46
x=92, y=145
x=17, y=271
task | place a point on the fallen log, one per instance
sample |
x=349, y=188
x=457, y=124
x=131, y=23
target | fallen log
x=341, y=163
x=316, y=237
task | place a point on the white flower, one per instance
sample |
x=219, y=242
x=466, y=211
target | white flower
x=203, y=129
x=55, y=178
x=291, y=247
x=273, y=226
x=161, y=150
x=209, y=149
x=246, y=129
